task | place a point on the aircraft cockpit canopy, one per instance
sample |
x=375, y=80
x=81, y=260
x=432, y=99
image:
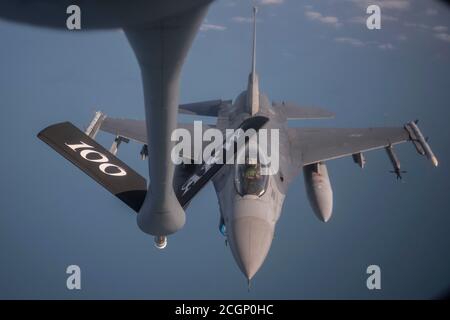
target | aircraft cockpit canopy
x=249, y=177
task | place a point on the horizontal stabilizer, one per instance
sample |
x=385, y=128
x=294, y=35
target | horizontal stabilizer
x=205, y=108
x=97, y=162
x=293, y=112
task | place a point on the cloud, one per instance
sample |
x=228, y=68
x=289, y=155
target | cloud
x=351, y=41
x=384, y=4
x=317, y=16
x=363, y=19
x=270, y=2
x=394, y=4
x=417, y=25
x=212, y=27
x=441, y=33
x=443, y=36
x=240, y=19
x=387, y=17
x=392, y=11
x=359, y=43
x=386, y=46
x=358, y=19
x=440, y=29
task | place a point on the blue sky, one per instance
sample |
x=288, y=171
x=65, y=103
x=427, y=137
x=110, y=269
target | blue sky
x=309, y=52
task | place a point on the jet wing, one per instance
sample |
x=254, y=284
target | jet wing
x=137, y=129
x=311, y=145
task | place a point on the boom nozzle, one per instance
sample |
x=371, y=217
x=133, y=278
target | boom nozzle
x=160, y=242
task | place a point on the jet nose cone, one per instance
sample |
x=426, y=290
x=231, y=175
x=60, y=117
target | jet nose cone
x=250, y=240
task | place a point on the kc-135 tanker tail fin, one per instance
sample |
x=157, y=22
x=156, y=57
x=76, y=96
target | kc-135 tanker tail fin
x=97, y=162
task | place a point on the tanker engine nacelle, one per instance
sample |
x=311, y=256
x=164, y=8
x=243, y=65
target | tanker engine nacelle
x=319, y=190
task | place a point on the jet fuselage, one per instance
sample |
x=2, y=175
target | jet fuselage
x=249, y=214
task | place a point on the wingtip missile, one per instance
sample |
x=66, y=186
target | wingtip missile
x=421, y=142
x=435, y=161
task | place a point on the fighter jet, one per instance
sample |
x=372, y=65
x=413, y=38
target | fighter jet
x=250, y=199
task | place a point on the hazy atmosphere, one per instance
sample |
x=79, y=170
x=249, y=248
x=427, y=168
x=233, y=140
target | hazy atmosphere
x=313, y=53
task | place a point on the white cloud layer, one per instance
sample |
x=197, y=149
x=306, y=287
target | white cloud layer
x=270, y=2
x=317, y=16
x=212, y=27
x=241, y=19
x=443, y=36
x=440, y=28
x=386, y=46
x=385, y=4
x=351, y=41
x=394, y=12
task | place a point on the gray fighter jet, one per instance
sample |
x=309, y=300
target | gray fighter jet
x=250, y=200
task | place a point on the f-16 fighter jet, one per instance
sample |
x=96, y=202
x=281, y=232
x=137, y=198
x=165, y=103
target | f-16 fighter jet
x=250, y=191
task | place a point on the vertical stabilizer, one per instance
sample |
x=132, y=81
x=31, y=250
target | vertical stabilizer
x=255, y=11
x=253, y=84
